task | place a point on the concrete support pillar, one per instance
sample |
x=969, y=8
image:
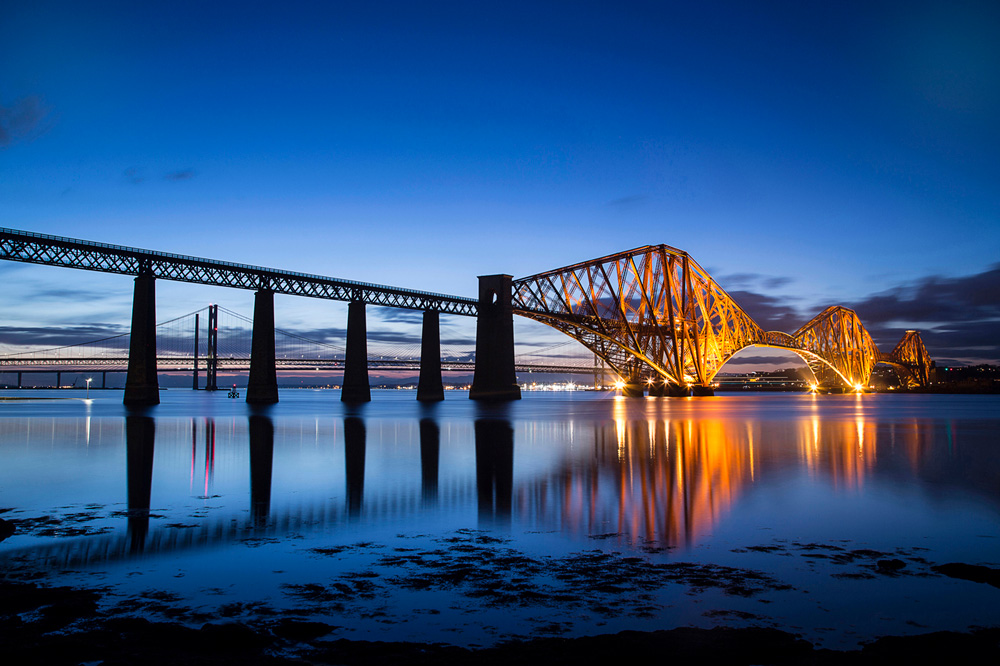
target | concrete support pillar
x=677, y=391
x=58, y=380
x=430, y=388
x=261, y=463
x=141, y=385
x=19, y=380
x=658, y=388
x=702, y=391
x=495, y=378
x=356, y=387
x=104, y=379
x=262, y=387
x=139, y=436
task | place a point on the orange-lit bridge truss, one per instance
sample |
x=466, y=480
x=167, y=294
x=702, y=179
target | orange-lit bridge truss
x=653, y=312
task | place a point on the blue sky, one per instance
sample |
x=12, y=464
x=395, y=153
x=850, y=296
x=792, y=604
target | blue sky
x=804, y=153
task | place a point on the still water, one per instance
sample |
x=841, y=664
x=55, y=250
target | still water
x=562, y=514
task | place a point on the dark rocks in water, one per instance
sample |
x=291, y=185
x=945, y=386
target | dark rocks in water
x=973, y=572
x=890, y=566
x=940, y=647
x=64, y=603
x=300, y=630
x=6, y=529
x=683, y=646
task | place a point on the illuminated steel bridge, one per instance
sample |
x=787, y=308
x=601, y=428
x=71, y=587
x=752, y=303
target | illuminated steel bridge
x=652, y=314
x=655, y=316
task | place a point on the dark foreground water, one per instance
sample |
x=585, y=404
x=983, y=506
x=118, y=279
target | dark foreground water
x=562, y=514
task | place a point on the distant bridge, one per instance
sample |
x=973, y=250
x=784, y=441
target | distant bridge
x=180, y=348
x=652, y=314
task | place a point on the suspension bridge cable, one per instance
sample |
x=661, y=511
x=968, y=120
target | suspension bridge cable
x=94, y=342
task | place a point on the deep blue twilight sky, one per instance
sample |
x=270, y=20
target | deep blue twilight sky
x=805, y=153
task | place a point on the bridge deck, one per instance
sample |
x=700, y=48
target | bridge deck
x=34, y=248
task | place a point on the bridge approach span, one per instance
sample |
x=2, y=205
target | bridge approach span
x=142, y=386
x=34, y=248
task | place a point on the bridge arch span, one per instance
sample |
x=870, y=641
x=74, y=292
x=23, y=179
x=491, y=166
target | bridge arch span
x=817, y=366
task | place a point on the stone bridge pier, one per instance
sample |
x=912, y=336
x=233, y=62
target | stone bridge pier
x=494, y=378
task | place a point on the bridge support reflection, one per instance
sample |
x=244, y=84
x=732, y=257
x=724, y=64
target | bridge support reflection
x=430, y=387
x=141, y=385
x=262, y=386
x=494, y=470
x=355, y=387
x=430, y=453
x=140, y=432
x=261, y=465
x=494, y=378
x=354, y=463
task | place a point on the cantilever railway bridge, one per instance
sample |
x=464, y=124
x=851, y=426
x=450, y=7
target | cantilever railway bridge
x=652, y=314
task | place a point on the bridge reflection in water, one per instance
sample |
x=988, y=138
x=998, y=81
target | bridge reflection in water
x=645, y=476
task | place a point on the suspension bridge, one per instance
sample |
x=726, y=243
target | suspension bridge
x=214, y=339
x=652, y=314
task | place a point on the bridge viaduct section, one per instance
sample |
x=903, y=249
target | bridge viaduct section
x=495, y=380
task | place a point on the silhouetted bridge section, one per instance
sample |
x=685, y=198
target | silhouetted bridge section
x=652, y=314
x=142, y=388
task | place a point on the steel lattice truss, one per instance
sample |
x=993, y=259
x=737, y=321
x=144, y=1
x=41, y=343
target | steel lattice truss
x=654, y=312
x=911, y=355
x=835, y=340
x=35, y=248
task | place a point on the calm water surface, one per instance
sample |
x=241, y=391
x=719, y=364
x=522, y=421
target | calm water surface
x=561, y=514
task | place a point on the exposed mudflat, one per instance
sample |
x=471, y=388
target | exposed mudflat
x=45, y=624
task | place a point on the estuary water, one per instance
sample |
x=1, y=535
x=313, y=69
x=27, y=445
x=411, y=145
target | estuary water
x=569, y=513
